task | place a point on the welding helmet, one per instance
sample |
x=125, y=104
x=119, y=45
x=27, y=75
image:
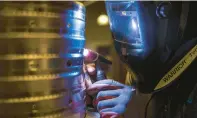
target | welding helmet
x=146, y=37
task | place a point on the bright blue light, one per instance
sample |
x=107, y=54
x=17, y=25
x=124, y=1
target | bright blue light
x=134, y=25
x=85, y=52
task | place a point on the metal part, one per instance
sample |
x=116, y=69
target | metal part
x=41, y=52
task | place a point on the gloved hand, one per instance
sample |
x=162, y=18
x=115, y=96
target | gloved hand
x=77, y=87
x=112, y=97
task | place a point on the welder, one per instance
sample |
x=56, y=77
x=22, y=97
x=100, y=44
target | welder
x=157, y=41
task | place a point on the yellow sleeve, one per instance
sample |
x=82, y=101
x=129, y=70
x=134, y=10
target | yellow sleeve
x=129, y=78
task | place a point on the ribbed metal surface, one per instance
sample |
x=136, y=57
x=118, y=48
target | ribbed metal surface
x=41, y=45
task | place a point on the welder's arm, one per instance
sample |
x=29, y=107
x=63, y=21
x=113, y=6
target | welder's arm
x=112, y=97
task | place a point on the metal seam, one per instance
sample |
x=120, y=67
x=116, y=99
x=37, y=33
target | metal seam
x=28, y=35
x=29, y=14
x=28, y=56
x=30, y=78
x=31, y=99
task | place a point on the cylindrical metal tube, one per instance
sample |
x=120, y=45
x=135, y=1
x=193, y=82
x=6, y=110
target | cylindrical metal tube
x=41, y=51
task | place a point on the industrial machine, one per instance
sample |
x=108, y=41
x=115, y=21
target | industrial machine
x=41, y=57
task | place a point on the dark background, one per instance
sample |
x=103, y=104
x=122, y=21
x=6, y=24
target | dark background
x=98, y=38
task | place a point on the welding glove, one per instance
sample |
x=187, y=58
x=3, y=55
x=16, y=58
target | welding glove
x=112, y=97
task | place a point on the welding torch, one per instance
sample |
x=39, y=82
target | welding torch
x=96, y=58
x=92, y=56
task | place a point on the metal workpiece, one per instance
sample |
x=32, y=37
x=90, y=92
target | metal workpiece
x=41, y=55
